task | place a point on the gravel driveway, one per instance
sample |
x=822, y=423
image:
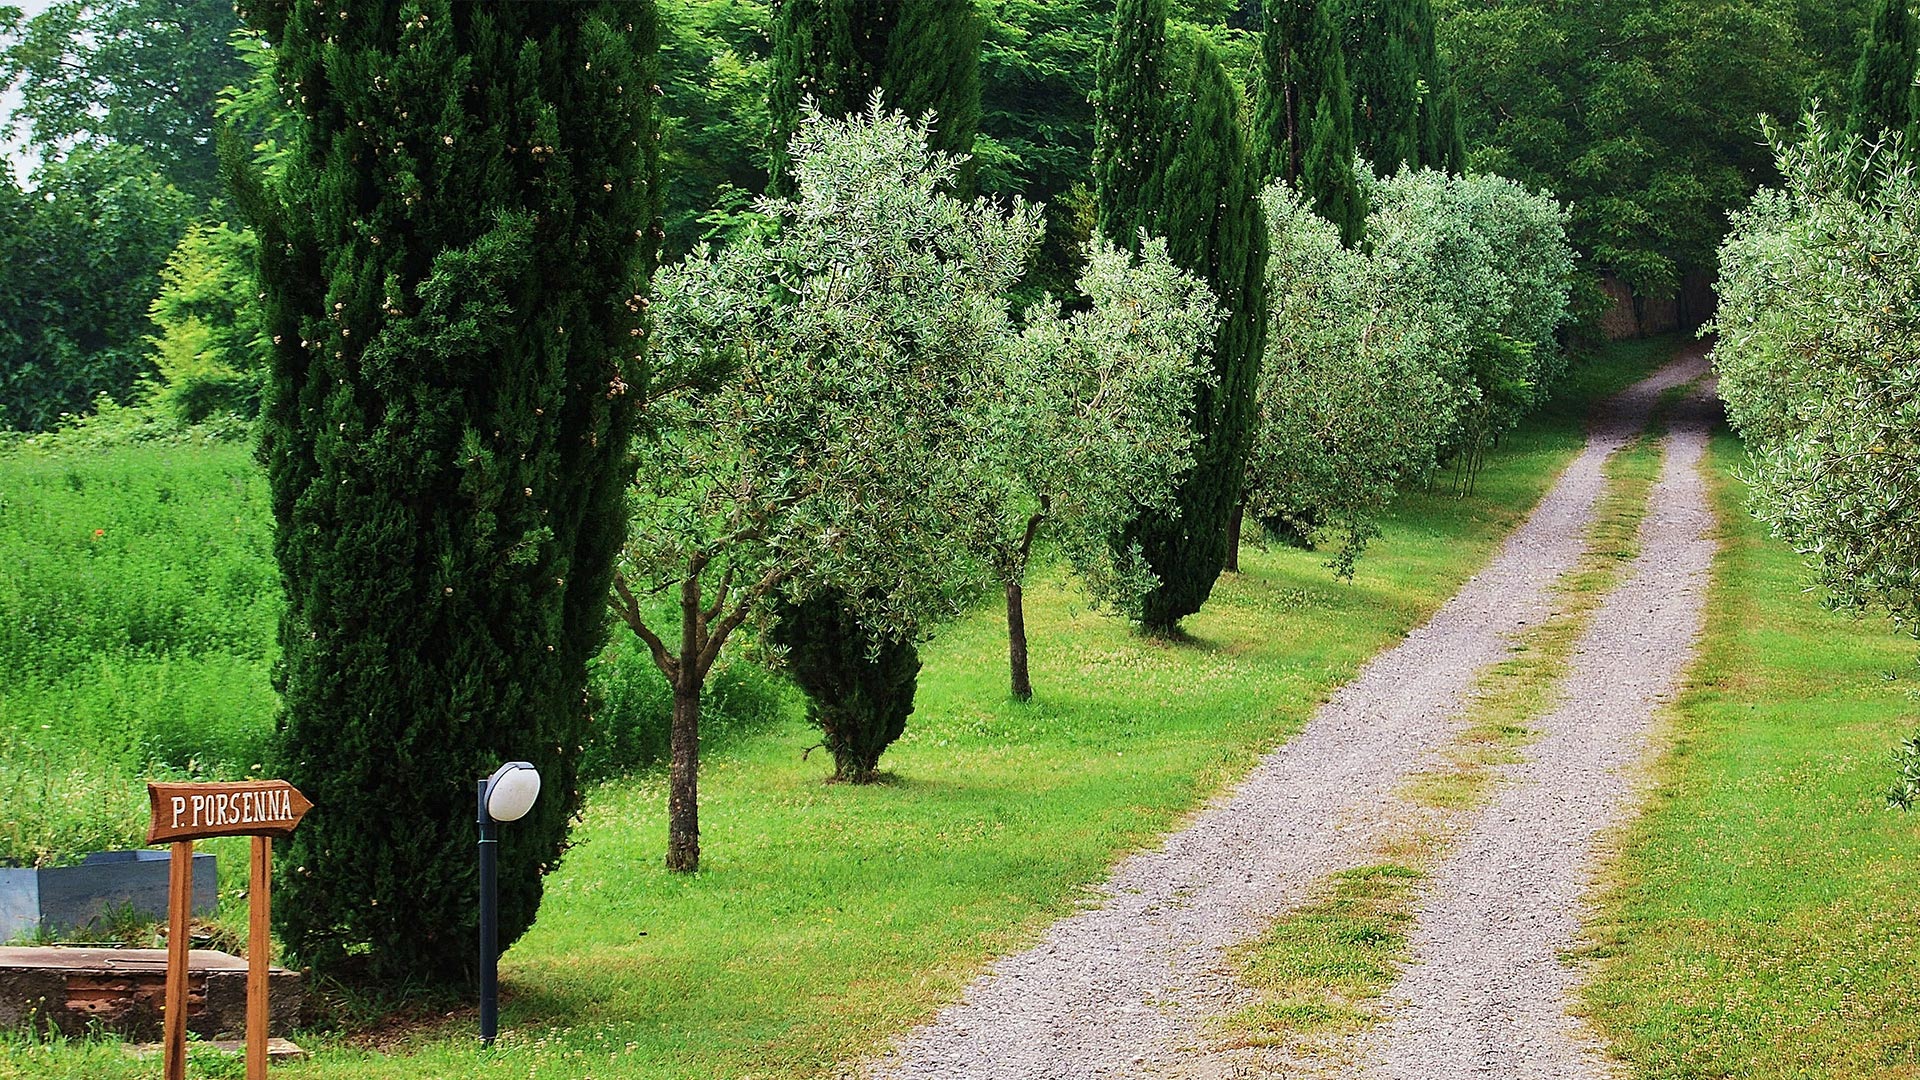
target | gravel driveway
x=1121, y=989
x=1487, y=992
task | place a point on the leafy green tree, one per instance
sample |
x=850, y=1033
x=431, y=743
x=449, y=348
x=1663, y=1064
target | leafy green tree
x=1352, y=401
x=1486, y=262
x=714, y=71
x=211, y=352
x=838, y=54
x=1303, y=127
x=1883, y=82
x=1640, y=114
x=143, y=73
x=1819, y=361
x=1038, y=62
x=455, y=266
x=80, y=258
x=1831, y=35
x=1091, y=429
x=1211, y=216
x=1130, y=136
x=1819, y=364
x=831, y=459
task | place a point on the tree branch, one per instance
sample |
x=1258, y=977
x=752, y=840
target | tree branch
x=718, y=636
x=625, y=606
x=720, y=595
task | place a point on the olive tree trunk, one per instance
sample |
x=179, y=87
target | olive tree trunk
x=1017, y=642
x=683, y=777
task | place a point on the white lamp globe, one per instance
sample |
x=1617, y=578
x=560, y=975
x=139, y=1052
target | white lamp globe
x=511, y=791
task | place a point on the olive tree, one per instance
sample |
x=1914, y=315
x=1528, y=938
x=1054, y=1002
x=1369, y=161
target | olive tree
x=827, y=388
x=1351, y=402
x=1819, y=361
x=1487, y=264
x=1091, y=428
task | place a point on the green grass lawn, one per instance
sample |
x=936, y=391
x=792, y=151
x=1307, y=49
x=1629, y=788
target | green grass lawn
x=1766, y=920
x=828, y=918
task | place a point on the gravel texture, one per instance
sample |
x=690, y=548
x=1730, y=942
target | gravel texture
x=1121, y=988
x=1487, y=993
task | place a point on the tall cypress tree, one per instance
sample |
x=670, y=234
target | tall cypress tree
x=1129, y=129
x=1277, y=98
x=1303, y=131
x=933, y=65
x=1453, y=133
x=1211, y=217
x=813, y=60
x=454, y=270
x=923, y=55
x=1884, y=98
x=1383, y=61
x=829, y=52
x=1439, y=115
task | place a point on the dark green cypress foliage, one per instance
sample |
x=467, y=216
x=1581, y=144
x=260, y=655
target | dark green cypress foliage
x=1129, y=129
x=1883, y=91
x=1327, y=173
x=1278, y=110
x=1211, y=218
x=826, y=51
x=1453, y=132
x=1383, y=60
x=859, y=691
x=1436, y=131
x=453, y=268
x=1304, y=114
x=933, y=64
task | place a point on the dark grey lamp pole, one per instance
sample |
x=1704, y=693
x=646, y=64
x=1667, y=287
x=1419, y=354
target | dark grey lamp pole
x=507, y=795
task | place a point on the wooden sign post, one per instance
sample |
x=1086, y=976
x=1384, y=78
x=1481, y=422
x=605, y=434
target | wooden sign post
x=183, y=813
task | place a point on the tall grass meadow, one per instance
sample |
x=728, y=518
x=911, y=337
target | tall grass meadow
x=139, y=602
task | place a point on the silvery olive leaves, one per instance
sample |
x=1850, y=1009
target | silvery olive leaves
x=1819, y=360
x=847, y=400
x=1412, y=351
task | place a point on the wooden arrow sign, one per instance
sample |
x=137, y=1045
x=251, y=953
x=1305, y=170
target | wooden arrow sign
x=183, y=813
x=243, y=808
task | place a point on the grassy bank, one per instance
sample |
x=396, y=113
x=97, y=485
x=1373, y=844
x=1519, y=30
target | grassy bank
x=1765, y=916
x=827, y=918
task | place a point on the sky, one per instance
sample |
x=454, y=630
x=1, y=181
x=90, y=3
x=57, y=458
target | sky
x=15, y=156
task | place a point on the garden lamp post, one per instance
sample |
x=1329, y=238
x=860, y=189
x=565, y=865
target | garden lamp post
x=507, y=795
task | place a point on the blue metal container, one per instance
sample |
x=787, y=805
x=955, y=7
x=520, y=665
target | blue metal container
x=61, y=899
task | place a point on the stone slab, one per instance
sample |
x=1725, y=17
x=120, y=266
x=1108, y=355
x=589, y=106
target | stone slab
x=277, y=1049
x=123, y=991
